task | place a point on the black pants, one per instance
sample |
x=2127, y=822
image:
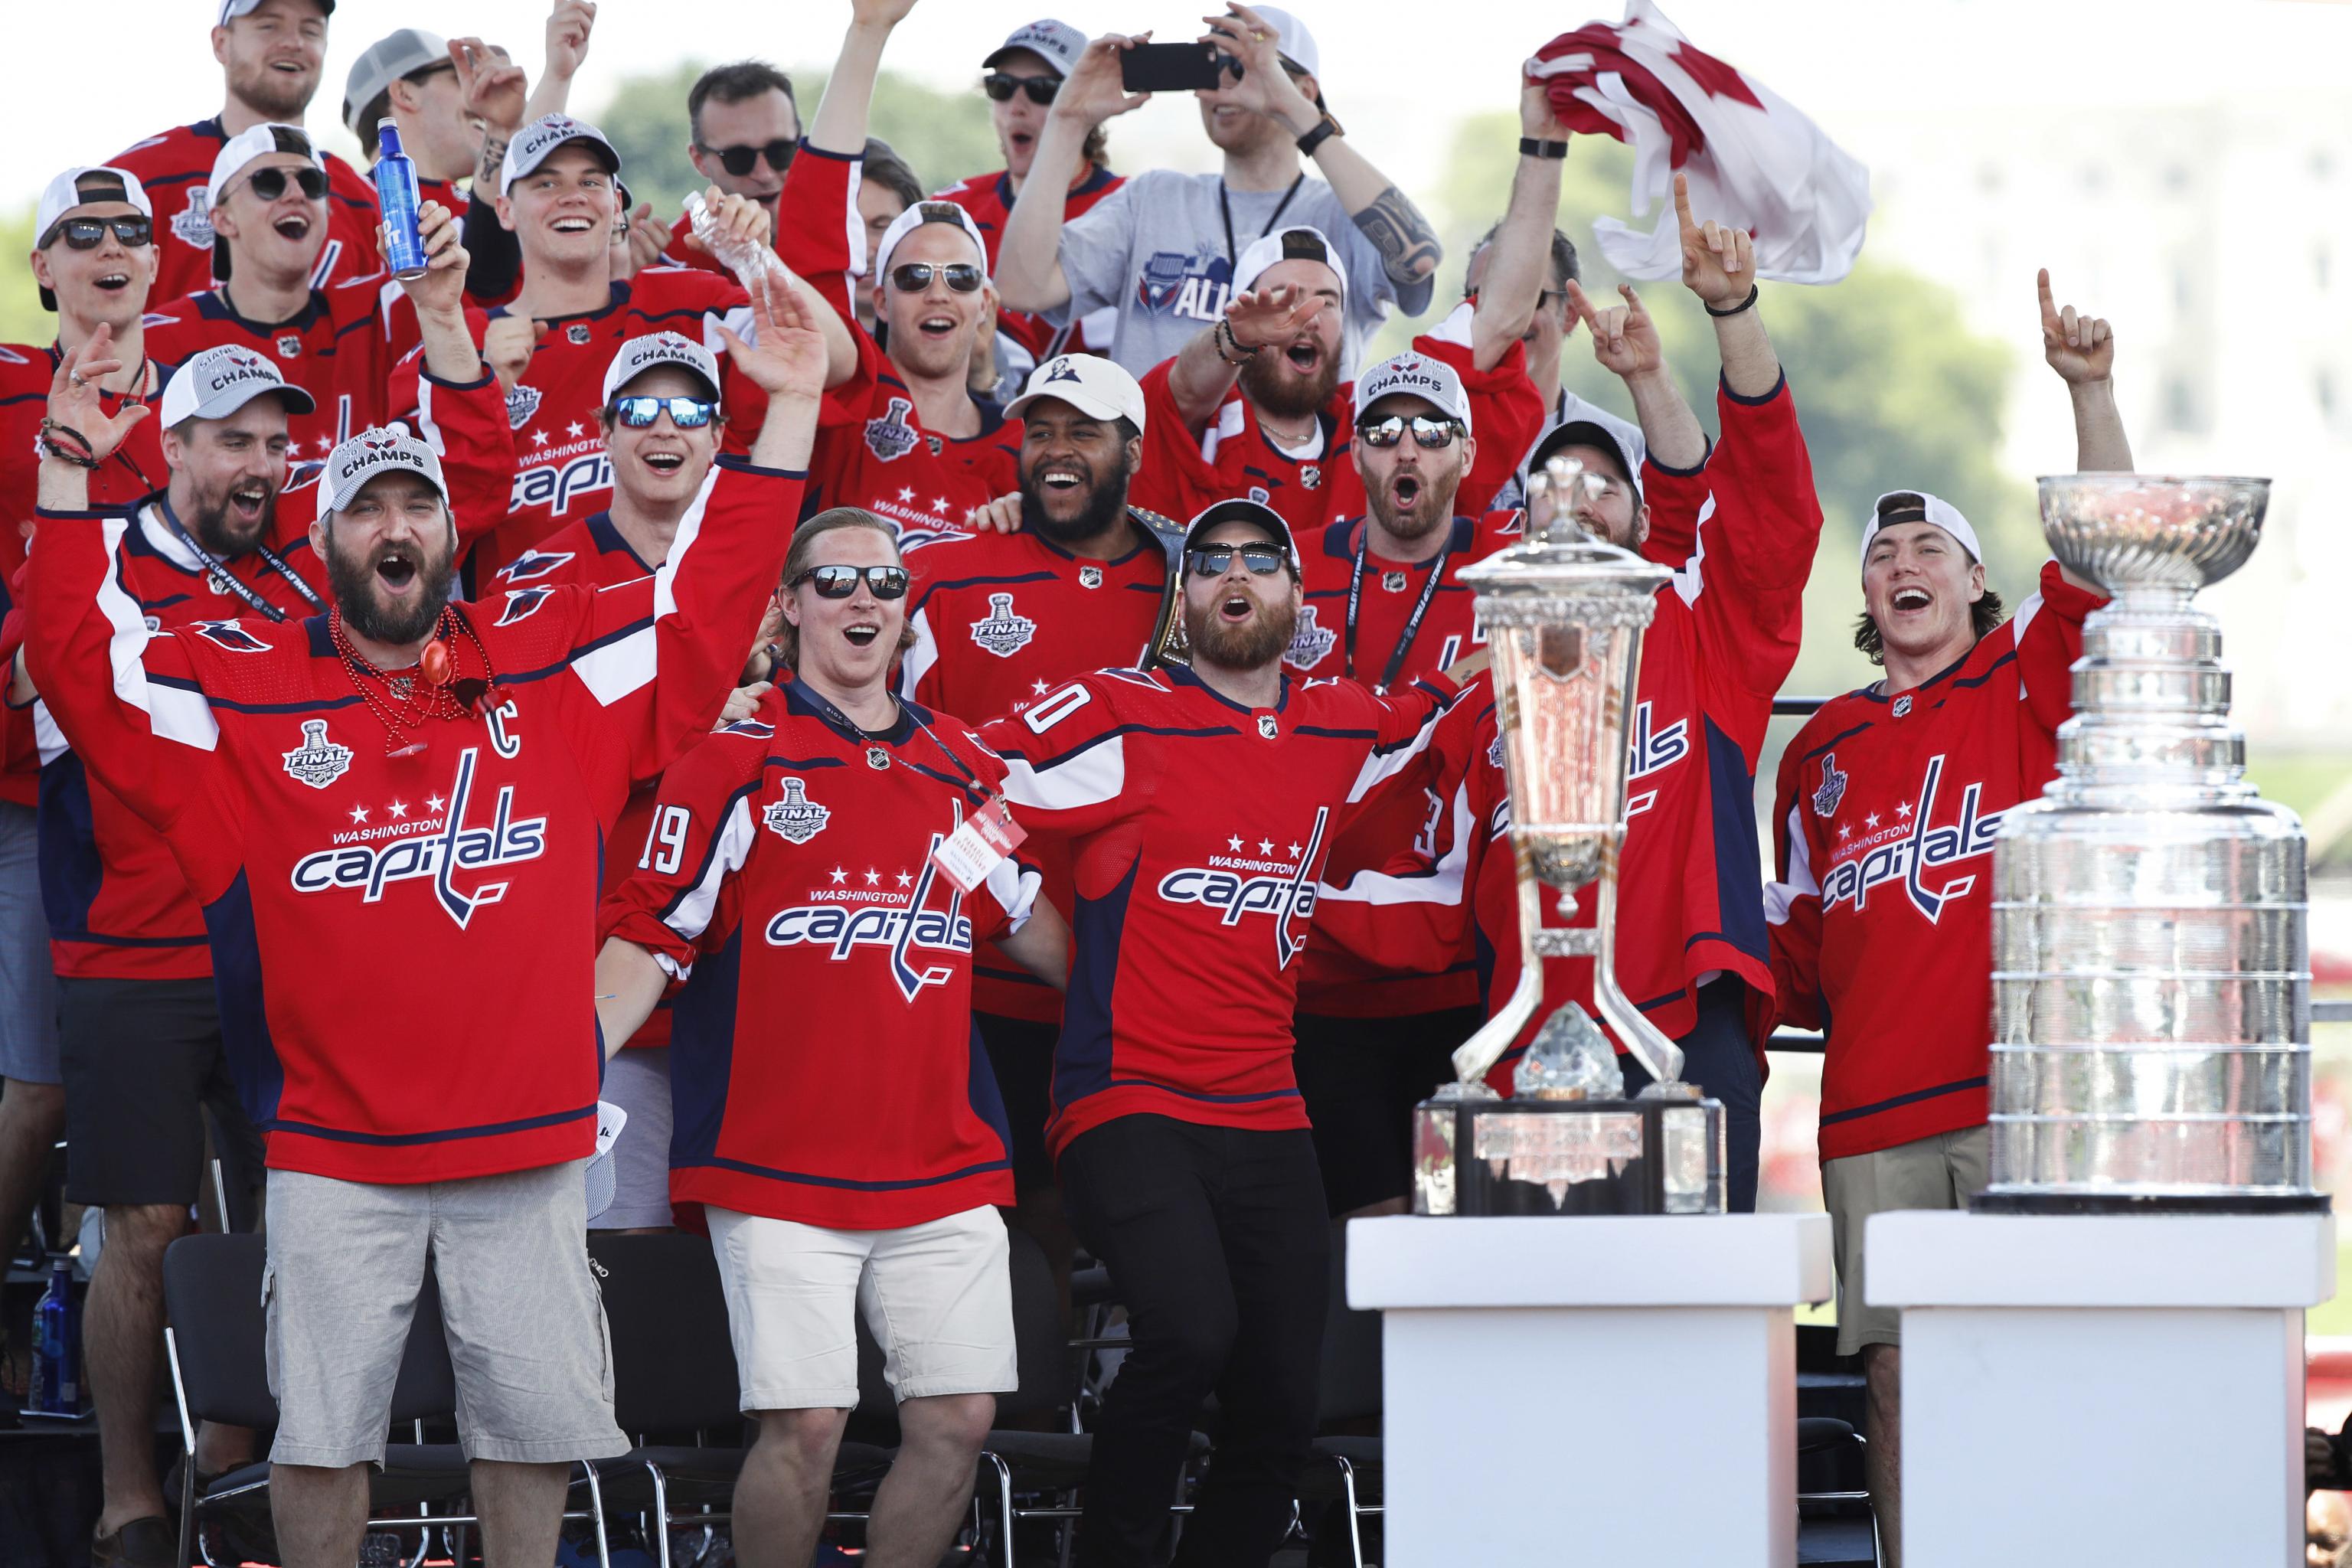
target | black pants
x=1218, y=1241
x=1361, y=1078
x=1718, y=1056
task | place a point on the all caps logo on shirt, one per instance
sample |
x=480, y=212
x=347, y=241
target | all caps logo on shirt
x=1003, y=631
x=1832, y=789
x=193, y=224
x=317, y=761
x=890, y=437
x=1190, y=285
x=795, y=818
x=1309, y=643
x=521, y=404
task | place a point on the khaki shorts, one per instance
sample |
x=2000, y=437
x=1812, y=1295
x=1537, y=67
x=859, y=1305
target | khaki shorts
x=1942, y=1172
x=521, y=1309
x=938, y=1296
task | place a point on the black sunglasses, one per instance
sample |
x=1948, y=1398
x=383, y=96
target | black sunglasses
x=686, y=413
x=1040, y=89
x=89, y=233
x=1435, y=433
x=914, y=277
x=1216, y=559
x=840, y=581
x=738, y=161
x=270, y=183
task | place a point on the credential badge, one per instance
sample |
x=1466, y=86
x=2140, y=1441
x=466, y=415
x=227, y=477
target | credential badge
x=317, y=761
x=795, y=818
x=1003, y=631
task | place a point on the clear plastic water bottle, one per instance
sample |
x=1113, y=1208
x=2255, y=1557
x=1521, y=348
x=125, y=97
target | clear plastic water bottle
x=396, y=191
x=56, y=1346
x=744, y=260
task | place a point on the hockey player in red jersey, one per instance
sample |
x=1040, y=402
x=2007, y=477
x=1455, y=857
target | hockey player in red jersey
x=1884, y=818
x=271, y=53
x=1199, y=806
x=372, y=803
x=800, y=866
x=1255, y=407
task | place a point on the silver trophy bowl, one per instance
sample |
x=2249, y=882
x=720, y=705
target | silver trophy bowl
x=2151, y=962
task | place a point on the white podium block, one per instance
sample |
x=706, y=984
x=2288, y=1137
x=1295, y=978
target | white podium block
x=2102, y=1388
x=1589, y=1390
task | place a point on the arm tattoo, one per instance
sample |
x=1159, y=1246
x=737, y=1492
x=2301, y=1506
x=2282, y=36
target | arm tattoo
x=1408, y=245
x=493, y=159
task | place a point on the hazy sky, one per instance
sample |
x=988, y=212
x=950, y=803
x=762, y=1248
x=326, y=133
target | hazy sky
x=1397, y=71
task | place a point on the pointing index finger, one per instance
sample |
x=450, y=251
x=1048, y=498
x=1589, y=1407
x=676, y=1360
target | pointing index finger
x=1682, y=203
x=2041, y=287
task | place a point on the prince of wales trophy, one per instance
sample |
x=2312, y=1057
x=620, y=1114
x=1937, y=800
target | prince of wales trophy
x=1563, y=614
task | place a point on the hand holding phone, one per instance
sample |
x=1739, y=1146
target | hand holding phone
x=1174, y=67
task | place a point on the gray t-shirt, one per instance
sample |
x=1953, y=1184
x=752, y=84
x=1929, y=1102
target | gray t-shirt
x=1156, y=250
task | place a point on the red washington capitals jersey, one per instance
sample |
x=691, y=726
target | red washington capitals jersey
x=592, y=552
x=1184, y=473
x=989, y=199
x=135, y=469
x=177, y=168
x=1197, y=828
x=338, y=348
x=794, y=878
x=404, y=946
x=872, y=451
x=1884, y=820
x=1001, y=619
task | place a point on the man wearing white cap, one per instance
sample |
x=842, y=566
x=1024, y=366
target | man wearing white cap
x=271, y=52
x=1024, y=72
x=1884, y=813
x=394, y=814
x=1254, y=404
x=271, y=201
x=1165, y=247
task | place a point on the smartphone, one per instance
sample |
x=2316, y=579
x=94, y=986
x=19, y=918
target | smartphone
x=1174, y=67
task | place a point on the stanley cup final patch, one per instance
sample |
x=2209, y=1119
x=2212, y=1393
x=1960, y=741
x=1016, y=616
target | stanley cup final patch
x=1003, y=631
x=889, y=436
x=1832, y=789
x=317, y=761
x=795, y=818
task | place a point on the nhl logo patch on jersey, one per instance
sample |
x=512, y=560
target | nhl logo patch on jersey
x=1391, y=582
x=195, y=223
x=1267, y=729
x=1311, y=476
x=795, y=818
x=1495, y=752
x=289, y=345
x=935, y=444
x=578, y=332
x=521, y=404
x=1003, y=631
x=317, y=761
x=890, y=437
x=1309, y=643
x=1903, y=706
x=1832, y=789
x=1089, y=577
x=876, y=758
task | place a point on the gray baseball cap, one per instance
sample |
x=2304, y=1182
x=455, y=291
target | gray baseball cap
x=369, y=455
x=385, y=62
x=218, y=382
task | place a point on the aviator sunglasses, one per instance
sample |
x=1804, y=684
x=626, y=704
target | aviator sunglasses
x=1216, y=559
x=914, y=277
x=686, y=413
x=1426, y=432
x=1040, y=89
x=840, y=581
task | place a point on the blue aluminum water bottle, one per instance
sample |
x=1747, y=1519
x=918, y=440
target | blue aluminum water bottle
x=56, y=1347
x=395, y=192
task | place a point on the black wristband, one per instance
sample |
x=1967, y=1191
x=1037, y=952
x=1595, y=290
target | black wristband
x=1746, y=304
x=1532, y=148
x=1325, y=129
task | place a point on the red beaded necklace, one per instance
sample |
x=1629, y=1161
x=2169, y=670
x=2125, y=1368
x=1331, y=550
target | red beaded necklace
x=431, y=691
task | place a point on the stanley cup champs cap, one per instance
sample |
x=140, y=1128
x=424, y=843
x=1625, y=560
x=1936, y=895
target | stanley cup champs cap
x=218, y=382
x=369, y=455
x=1418, y=376
x=640, y=354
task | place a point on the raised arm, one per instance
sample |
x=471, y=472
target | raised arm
x=1207, y=366
x=492, y=91
x=2082, y=349
x=1029, y=274
x=843, y=114
x=1406, y=240
x=439, y=296
x=568, y=26
x=1626, y=343
x=1520, y=253
x=1719, y=267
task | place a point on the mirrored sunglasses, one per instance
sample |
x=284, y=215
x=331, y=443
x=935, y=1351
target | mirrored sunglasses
x=914, y=277
x=840, y=581
x=89, y=233
x=686, y=413
x=1426, y=432
x=1216, y=559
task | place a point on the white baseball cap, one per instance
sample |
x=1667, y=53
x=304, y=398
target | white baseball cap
x=385, y=62
x=1097, y=387
x=915, y=217
x=1302, y=243
x=1419, y=375
x=640, y=354
x=1917, y=506
x=371, y=453
x=1056, y=43
x=218, y=382
x=231, y=9
x=258, y=141
x=1291, y=40
x=81, y=187
x=532, y=145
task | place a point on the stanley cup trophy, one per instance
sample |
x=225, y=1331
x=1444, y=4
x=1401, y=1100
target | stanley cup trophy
x=2151, y=965
x=1563, y=614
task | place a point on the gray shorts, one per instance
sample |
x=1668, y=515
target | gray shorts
x=637, y=1080
x=28, y=985
x=525, y=1322
x=1939, y=1172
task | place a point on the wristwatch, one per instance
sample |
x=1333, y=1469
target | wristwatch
x=1317, y=134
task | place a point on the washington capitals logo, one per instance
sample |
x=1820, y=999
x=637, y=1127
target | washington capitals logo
x=533, y=563
x=796, y=819
x=1060, y=370
x=317, y=761
x=1919, y=850
x=1290, y=897
x=890, y=437
x=521, y=603
x=1832, y=790
x=440, y=852
x=230, y=635
x=901, y=930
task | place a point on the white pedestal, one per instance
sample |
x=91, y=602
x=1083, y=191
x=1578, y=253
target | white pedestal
x=2097, y=1389
x=1589, y=1391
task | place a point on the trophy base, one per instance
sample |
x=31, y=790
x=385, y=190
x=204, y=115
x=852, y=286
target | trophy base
x=2150, y=1203
x=1651, y=1156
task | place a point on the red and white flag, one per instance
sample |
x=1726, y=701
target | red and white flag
x=1751, y=157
